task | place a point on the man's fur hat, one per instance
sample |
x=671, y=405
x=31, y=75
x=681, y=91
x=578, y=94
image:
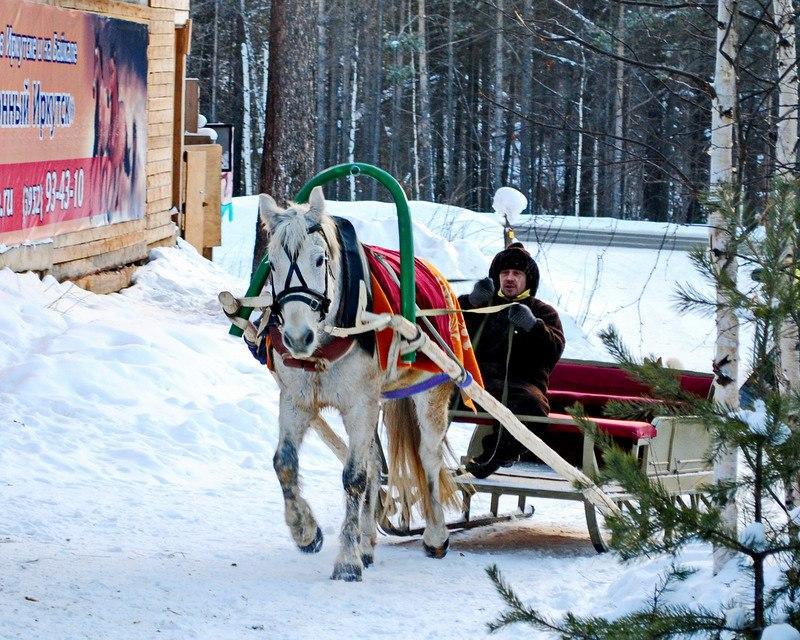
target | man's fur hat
x=515, y=256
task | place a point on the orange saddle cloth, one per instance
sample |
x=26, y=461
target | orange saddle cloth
x=432, y=292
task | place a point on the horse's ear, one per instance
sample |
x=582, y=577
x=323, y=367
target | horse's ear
x=316, y=201
x=268, y=210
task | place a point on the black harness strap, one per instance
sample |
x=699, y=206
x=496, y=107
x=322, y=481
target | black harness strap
x=319, y=302
x=352, y=272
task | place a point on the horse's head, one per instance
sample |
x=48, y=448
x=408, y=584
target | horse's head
x=304, y=256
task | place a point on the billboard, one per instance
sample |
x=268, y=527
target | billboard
x=73, y=121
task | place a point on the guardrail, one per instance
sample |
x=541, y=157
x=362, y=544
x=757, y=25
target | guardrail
x=669, y=240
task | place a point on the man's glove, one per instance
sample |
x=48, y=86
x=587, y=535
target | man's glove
x=522, y=317
x=482, y=293
x=259, y=350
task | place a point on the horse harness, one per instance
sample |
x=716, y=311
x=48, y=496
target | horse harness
x=319, y=302
x=352, y=274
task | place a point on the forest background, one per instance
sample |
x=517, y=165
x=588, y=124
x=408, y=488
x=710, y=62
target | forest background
x=589, y=108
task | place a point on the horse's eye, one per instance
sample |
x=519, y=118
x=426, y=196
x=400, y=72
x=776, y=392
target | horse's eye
x=320, y=260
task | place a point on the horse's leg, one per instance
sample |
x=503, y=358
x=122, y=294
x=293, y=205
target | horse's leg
x=359, y=421
x=369, y=530
x=294, y=422
x=431, y=408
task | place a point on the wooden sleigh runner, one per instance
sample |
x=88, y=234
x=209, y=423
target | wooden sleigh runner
x=670, y=450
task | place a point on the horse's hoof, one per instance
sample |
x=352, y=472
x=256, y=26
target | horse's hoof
x=436, y=552
x=315, y=545
x=367, y=559
x=347, y=572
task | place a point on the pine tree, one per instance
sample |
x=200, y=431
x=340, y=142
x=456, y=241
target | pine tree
x=764, y=432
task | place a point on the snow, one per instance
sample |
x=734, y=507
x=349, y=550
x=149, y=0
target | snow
x=755, y=419
x=138, y=494
x=757, y=422
x=754, y=536
x=781, y=631
x=509, y=202
x=737, y=618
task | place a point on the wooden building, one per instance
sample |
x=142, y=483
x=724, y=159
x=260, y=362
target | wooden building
x=102, y=256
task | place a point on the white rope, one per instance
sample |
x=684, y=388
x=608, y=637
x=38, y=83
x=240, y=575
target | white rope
x=534, y=443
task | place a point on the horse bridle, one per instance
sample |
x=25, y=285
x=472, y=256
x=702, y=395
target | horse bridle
x=319, y=302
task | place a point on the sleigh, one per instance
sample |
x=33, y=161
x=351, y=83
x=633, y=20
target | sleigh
x=670, y=451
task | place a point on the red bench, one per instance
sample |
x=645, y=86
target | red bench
x=595, y=384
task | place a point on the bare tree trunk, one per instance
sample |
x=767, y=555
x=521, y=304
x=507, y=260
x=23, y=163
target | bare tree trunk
x=288, y=158
x=330, y=133
x=726, y=355
x=415, y=131
x=526, y=101
x=247, y=150
x=348, y=87
x=248, y=84
x=595, y=176
x=214, y=63
x=397, y=95
x=414, y=122
x=376, y=91
x=425, y=142
x=618, y=174
x=786, y=54
x=579, y=155
x=261, y=103
x=449, y=111
x=322, y=51
x=351, y=145
x=498, y=130
x=788, y=351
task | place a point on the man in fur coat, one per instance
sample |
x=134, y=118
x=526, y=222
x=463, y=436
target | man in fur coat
x=516, y=348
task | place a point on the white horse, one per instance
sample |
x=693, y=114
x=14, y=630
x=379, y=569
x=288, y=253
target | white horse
x=307, y=287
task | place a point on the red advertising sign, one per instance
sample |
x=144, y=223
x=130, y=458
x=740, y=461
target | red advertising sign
x=73, y=121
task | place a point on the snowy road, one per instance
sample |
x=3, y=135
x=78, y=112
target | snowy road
x=139, y=501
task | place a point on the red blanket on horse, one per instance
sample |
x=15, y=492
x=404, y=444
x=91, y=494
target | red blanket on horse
x=432, y=292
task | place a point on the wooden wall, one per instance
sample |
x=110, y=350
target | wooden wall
x=100, y=258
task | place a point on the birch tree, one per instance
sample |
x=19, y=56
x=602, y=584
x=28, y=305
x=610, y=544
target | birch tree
x=788, y=351
x=786, y=160
x=618, y=181
x=247, y=149
x=726, y=354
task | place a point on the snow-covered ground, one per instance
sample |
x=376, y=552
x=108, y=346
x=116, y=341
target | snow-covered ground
x=137, y=491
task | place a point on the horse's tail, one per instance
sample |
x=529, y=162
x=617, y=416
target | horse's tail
x=406, y=475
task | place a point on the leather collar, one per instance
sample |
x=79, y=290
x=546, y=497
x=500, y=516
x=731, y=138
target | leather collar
x=322, y=358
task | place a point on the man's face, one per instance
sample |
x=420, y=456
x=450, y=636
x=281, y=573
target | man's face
x=512, y=282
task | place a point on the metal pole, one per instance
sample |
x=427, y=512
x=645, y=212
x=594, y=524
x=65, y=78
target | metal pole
x=407, y=278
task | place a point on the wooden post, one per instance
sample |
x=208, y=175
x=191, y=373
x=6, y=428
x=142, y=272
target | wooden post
x=202, y=198
x=183, y=37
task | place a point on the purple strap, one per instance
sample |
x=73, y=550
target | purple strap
x=425, y=385
x=466, y=381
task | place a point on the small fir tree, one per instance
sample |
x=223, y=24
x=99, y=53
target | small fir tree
x=765, y=433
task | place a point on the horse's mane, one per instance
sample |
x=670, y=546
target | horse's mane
x=291, y=230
